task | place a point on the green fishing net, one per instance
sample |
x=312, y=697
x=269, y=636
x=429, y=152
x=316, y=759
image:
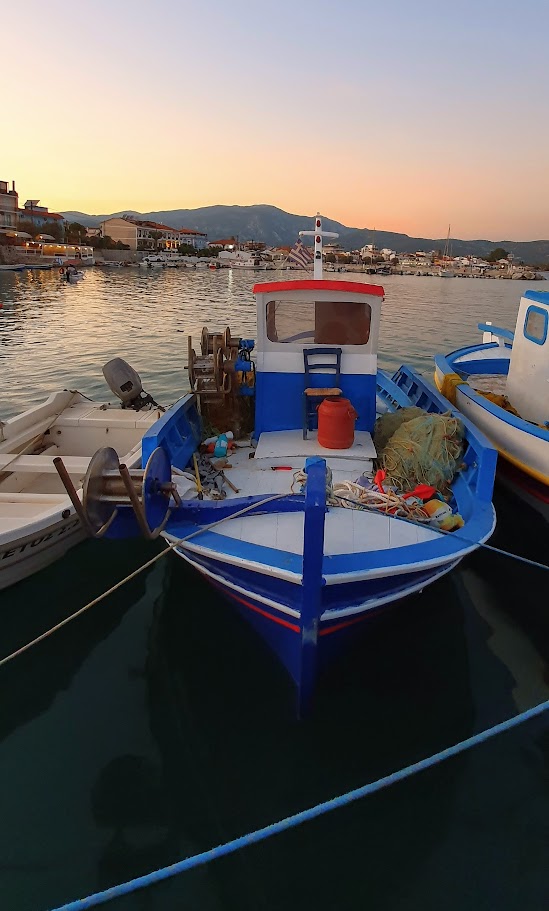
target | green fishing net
x=423, y=448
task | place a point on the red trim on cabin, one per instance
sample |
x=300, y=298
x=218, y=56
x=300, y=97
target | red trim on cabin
x=319, y=284
x=258, y=610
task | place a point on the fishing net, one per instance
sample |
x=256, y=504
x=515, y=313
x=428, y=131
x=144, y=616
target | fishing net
x=387, y=423
x=424, y=450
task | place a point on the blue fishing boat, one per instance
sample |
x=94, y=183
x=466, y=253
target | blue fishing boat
x=305, y=526
x=500, y=384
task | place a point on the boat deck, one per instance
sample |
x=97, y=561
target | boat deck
x=271, y=468
x=347, y=531
x=488, y=382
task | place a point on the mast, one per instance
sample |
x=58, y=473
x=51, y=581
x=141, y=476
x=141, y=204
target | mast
x=447, y=247
x=318, y=234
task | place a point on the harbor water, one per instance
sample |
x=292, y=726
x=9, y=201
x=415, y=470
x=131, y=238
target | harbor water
x=157, y=725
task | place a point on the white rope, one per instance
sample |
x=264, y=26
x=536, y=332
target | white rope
x=135, y=573
x=349, y=495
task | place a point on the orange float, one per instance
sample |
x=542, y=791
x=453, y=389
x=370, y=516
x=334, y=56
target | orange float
x=336, y=423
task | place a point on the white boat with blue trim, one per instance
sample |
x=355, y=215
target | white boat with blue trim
x=38, y=522
x=298, y=529
x=500, y=385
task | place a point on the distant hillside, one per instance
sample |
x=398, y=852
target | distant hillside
x=278, y=228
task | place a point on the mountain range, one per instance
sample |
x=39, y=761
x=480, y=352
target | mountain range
x=275, y=227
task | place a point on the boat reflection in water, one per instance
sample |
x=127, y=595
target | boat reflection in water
x=236, y=759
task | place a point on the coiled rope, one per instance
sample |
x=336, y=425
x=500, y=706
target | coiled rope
x=350, y=494
x=290, y=822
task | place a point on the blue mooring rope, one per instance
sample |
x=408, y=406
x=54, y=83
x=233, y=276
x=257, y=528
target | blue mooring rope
x=304, y=816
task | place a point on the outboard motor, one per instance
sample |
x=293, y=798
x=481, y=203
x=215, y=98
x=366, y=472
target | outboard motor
x=125, y=382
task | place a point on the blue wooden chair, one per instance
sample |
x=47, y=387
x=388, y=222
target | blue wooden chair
x=312, y=395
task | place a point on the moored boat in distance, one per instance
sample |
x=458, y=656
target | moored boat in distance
x=300, y=526
x=444, y=271
x=153, y=261
x=255, y=263
x=71, y=274
x=38, y=522
x=501, y=386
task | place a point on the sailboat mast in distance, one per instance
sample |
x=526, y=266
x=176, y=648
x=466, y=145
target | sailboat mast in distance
x=444, y=272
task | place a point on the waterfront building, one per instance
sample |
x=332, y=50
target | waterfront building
x=55, y=253
x=277, y=255
x=9, y=207
x=367, y=252
x=39, y=216
x=227, y=243
x=150, y=235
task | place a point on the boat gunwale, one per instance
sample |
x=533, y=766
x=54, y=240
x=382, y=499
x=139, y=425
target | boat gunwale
x=340, y=568
x=444, y=366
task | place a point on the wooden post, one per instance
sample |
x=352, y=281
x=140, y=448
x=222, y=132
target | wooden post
x=312, y=582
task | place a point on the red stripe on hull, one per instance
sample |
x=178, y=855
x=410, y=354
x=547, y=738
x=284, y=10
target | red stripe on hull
x=293, y=626
x=258, y=610
x=332, y=629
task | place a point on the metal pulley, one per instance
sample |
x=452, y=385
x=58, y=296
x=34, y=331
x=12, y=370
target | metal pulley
x=108, y=485
x=208, y=340
x=229, y=342
x=230, y=358
x=202, y=371
x=211, y=372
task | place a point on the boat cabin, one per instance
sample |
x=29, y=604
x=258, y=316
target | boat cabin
x=315, y=333
x=527, y=388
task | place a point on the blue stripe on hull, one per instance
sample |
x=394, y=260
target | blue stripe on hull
x=281, y=630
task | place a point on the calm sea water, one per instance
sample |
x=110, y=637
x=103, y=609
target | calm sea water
x=157, y=725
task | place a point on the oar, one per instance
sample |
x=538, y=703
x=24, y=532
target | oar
x=197, y=476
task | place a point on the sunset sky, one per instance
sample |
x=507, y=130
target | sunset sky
x=403, y=116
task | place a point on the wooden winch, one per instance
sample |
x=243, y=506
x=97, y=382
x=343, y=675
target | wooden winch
x=222, y=376
x=211, y=373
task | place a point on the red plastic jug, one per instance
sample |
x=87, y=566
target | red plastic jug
x=336, y=423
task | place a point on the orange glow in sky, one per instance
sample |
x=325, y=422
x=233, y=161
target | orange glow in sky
x=123, y=106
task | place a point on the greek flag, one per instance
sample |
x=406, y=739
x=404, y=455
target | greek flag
x=300, y=256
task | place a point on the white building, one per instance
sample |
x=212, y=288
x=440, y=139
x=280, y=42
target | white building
x=9, y=206
x=150, y=235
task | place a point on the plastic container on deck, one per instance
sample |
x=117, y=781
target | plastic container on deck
x=336, y=423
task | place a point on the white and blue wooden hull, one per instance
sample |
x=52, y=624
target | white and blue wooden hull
x=275, y=611
x=522, y=444
x=517, y=441
x=306, y=575
x=301, y=536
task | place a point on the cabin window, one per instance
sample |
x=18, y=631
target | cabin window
x=535, y=325
x=320, y=322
